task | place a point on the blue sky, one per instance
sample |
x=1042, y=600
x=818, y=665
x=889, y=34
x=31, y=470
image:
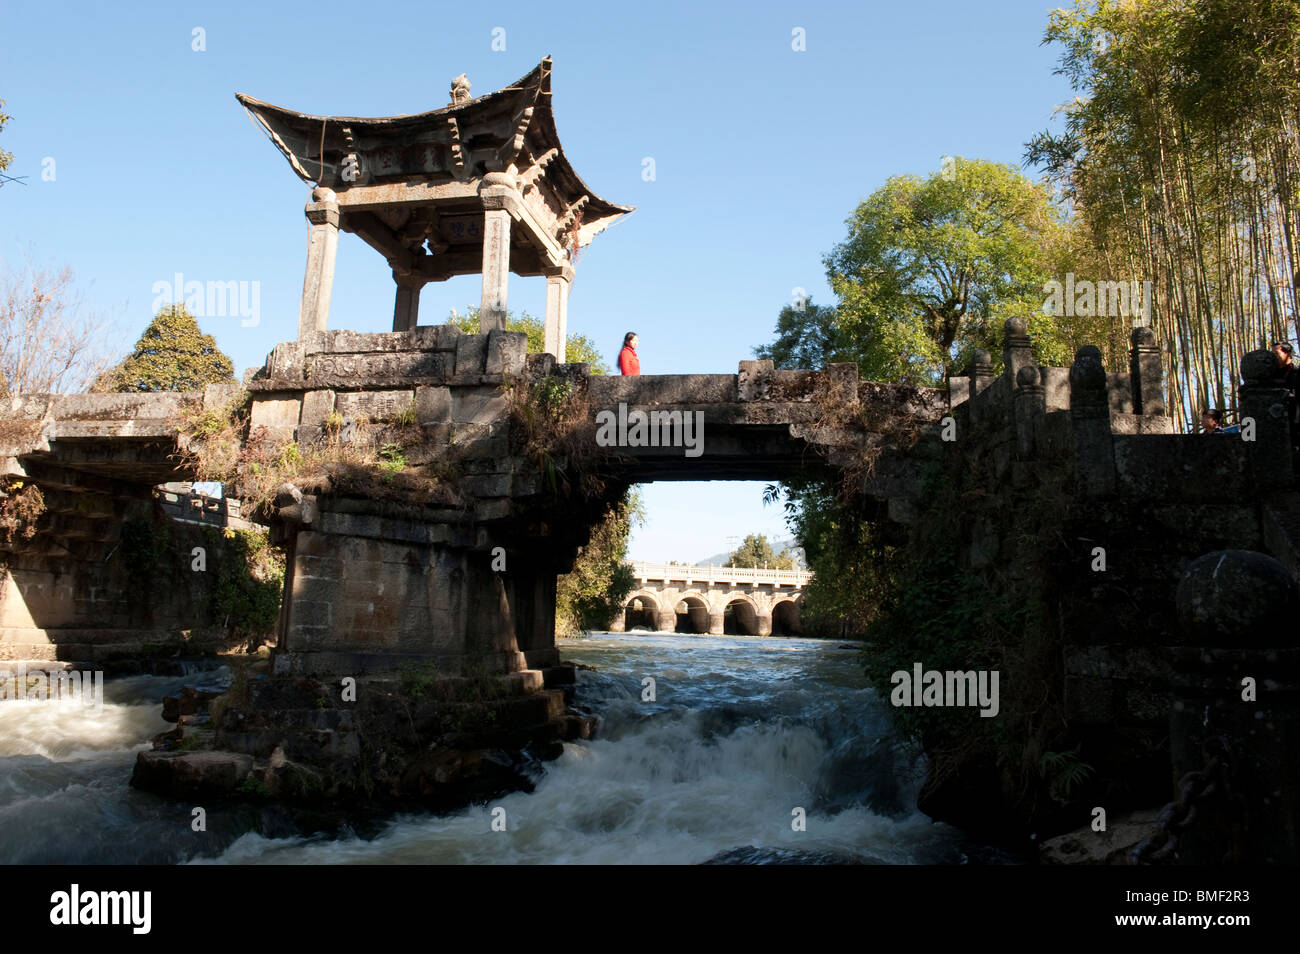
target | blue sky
x=760, y=154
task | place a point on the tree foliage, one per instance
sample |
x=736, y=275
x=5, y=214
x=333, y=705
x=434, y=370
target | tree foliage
x=171, y=355
x=1180, y=155
x=808, y=336
x=757, y=552
x=594, y=592
x=578, y=348
x=931, y=268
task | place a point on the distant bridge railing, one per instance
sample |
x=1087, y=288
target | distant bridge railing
x=669, y=572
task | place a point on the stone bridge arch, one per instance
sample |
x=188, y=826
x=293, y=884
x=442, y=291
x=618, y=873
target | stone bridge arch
x=648, y=615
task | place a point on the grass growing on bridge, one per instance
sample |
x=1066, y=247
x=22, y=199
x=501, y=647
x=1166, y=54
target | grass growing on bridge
x=552, y=426
x=357, y=456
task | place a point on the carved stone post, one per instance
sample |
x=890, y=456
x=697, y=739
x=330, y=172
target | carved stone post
x=558, y=279
x=981, y=372
x=1016, y=353
x=499, y=193
x=1030, y=409
x=322, y=246
x=406, y=307
x=1264, y=405
x=980, y=377
x=1146, y=373
x=1094, y=444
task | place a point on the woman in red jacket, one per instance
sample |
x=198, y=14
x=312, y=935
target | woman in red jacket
x=628, y=362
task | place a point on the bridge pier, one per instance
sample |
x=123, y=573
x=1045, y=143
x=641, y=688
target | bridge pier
x=717, y=624
x=367, y=595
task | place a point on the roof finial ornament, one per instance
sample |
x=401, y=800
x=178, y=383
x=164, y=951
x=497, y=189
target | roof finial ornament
x=460, y=90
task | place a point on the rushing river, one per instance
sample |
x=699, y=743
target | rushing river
x=743, y=738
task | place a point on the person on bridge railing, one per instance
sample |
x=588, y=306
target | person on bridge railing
x=1212, y=421
x=628, y=362
x=1285, y=354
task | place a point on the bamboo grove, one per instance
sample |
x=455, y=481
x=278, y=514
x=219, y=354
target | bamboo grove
x=1180, y=160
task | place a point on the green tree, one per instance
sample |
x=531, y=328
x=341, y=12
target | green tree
x=931, y=268
x=593, y=593
x=578, y=348
x=807, y=336
x=171, y=355
x=757, y=553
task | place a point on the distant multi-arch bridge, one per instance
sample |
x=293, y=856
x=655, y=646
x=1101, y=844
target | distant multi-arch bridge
x=717, y=600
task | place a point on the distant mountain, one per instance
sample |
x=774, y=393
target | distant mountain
x=720, y=559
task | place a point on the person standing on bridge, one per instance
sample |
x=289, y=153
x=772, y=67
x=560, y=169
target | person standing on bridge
x=628, y=362
x=1290, y=378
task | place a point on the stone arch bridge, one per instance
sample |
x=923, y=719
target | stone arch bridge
x=717, y=600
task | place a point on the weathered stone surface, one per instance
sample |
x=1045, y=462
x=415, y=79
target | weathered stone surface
x=181, y=774
x=433, y=404
x=481, y=407
x=1238, y=598
x=471, y=354
x=278, y=415
x=344, y=371
x=754, y=382
x=505, y=352
x=1110, y=847
x=317, y=406
x=374, y=405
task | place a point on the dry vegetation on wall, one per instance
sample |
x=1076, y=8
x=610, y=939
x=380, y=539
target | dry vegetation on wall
x=553, y=428
x=884, y=413
x=21, y=505
x=387, y=460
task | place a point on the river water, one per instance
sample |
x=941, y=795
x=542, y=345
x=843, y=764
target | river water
x=757, y=750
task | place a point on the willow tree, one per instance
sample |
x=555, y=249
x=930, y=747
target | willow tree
x=1180, y=157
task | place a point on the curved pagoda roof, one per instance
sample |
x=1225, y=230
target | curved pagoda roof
x=438, y=159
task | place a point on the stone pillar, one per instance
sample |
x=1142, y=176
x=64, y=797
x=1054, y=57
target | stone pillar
x=1265, y=403
x=717, y=624
x=981, y=376
x=667, y=619
x=1094, y=445
x=765, y=624
x=558, y=280
x=981, y=372
x=958, y=392
x=1146, y=373
x=500, y=194
x=406, y=308
x=322, y=246
x=1016, y=353
x=1030, y=409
